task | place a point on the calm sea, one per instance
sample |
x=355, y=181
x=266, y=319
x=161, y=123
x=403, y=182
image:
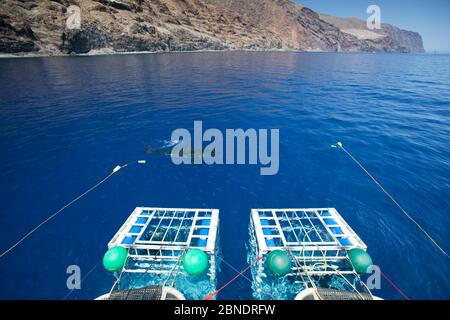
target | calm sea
x=66, y=122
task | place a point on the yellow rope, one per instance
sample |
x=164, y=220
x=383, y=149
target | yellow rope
x=306, y=271
x=393, y=200
x=326, y=265
x=307, y=274
x=350, y=284
x=342, y=276
x=305, y=267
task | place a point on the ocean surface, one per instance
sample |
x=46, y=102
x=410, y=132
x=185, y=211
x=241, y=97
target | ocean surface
x=66, y=122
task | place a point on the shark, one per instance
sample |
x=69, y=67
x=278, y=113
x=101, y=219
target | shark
x=167, y=151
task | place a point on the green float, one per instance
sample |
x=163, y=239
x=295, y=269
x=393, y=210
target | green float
x=279, y=263
x=195, y=262
x=360, y=260
x=115, y=258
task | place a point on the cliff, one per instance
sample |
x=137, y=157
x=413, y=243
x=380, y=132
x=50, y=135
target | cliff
x=39, y=27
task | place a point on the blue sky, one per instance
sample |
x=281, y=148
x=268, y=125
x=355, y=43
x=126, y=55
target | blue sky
x=430, y=18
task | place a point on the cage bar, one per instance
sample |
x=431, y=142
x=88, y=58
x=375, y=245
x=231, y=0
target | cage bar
x=156, y=237
x=317, y=240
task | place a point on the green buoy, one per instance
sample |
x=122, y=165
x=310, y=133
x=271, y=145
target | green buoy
x=360, y=260
x=279, y=263
x=114, y=259
x=195, y=262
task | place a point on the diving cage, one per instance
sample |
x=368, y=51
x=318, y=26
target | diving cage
x=317, y=241
x=156, y=240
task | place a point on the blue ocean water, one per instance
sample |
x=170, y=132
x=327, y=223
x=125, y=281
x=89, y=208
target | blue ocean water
x=66, y=122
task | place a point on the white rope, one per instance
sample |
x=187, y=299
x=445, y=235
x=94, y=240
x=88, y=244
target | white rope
x=341, y=146
x=116, y=169
x=175, y=267
x=81, y=281
x=119, y=278
x=234, y=269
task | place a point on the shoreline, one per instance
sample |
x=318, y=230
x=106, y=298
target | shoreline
x=103, y=52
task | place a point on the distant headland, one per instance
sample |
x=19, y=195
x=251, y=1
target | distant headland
x=119, y=26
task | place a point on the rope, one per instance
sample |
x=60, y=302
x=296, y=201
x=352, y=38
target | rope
x=116, y=169
x=326, y=265
x=82, y=280
x=175, y=267
x=133, y=282
x=305, y=268
x=339, y=144
x=234, y=269
x=212, y=295
x=90, y=271
x=119, y=278
x=394, y=286
x=350, y=284
x=141, y=276
x=309, y=277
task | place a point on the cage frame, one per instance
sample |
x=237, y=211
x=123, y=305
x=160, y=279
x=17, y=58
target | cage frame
x=168, y=252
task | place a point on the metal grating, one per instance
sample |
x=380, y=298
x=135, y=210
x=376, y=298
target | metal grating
x=147, y=293
x=157, y=237
x=299, y=229
x=317, y=240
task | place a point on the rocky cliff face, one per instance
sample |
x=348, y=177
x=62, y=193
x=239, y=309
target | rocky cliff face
x=398, y=40
x=39, y=27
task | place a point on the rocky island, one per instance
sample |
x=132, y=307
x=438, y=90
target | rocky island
x=114, y=26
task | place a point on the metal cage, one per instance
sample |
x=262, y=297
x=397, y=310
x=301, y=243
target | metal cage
x=317, y=240
x=156, y=239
